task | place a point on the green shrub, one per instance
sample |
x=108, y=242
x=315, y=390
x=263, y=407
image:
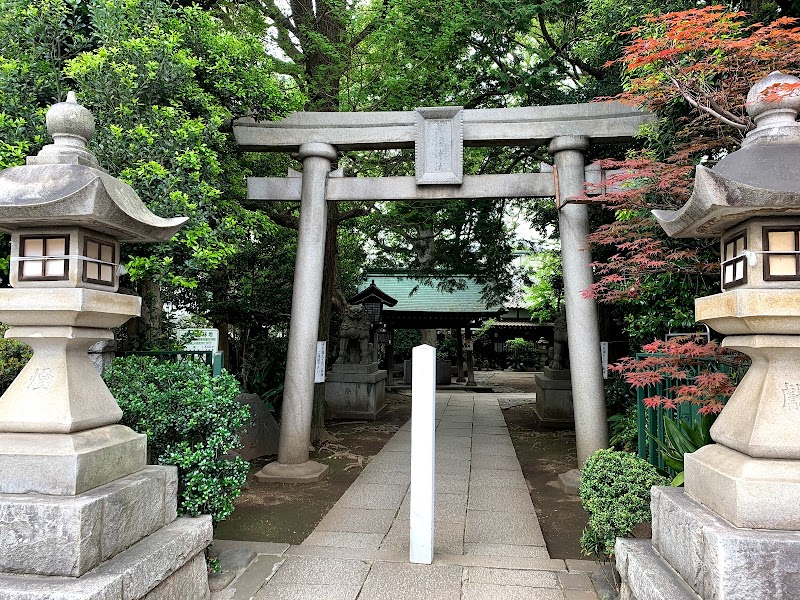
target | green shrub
x=624, y=430
x=615, y=491
x=191, y=420
x=13, y=356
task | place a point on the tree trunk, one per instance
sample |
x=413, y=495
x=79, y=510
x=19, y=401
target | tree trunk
x=152, y=308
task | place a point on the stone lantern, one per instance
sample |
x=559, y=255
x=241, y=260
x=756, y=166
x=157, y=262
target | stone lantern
x=735, y=532
x=82, y=510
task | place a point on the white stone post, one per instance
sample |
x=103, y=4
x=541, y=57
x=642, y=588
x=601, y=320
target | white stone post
x=583, y=331
x=293, y=465
x=423, y=453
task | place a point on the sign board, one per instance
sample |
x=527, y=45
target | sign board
x=468, y=345
x=203, y=340
x=319, y=367
x=604, y=358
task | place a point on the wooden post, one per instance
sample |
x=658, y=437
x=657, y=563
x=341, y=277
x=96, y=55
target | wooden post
x=460, y=355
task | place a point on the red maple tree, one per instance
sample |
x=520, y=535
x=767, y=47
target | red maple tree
x=706, y=58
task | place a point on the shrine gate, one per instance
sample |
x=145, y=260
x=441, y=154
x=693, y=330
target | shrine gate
x=438, y=136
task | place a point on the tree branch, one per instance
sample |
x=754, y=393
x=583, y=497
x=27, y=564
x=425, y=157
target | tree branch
x=559, y=51
x=284, y=219
x=706, y=109
x=371, y=26
x=362, y=211
x=271, y=11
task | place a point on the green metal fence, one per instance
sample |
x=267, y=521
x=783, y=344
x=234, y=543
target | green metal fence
x=651, y=420
x=215, y=360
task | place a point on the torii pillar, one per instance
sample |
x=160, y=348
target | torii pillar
x=293, y=465
x=583, y=329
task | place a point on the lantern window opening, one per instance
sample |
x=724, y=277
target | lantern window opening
x=373, y=310
x=98, y=261
x=41, y=258
x=734, y=258
x=782, y=247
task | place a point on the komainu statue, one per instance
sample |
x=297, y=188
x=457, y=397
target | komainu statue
x=354, y=337
x=559, y=354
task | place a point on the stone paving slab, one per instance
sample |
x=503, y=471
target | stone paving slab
x=301, y=591
x=503, y=478
x=477, y=591
x=448, y=484
x=253, y=578
x=488, y=543
x=345, y=539
x=499, y=499
x=538, y=579
x=373, y=495
x=505, y=550
x=494, y=451
x=321, y=571
x=357, y=520
x=507, y=463
x=498, y=528
x=397, y=581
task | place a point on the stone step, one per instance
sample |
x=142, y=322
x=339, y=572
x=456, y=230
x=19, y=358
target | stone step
x=166, y=565
x=646, y=575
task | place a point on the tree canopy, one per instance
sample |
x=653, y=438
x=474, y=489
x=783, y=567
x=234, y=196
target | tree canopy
x=165, y=80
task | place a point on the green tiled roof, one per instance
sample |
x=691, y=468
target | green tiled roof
x=428, y=298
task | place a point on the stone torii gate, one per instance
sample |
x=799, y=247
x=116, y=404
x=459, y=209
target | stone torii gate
x=438, y=136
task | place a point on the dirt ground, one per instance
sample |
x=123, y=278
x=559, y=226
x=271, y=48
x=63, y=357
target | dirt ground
x=276, y=512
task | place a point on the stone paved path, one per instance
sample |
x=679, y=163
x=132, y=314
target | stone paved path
x=488, y=543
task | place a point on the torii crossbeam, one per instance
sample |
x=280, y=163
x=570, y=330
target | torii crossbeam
x=438, y=136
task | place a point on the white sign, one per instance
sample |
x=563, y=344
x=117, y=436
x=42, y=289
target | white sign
x=203, y=340
x=319, y=368
x=468, y=345
x=423, y=458
x=604, y=358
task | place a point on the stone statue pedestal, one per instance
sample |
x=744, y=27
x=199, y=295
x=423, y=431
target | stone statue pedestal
x=444, y=372
x=354, y=391
x=554, y=398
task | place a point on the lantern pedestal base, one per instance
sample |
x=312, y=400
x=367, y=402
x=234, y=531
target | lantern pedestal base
x=167, y=564
x=59, y=390
x=69, y=463
x=695, y=554
x=757, y=493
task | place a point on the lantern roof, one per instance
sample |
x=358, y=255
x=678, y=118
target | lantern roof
x=372, y=293
x=752, y=181
x=64, y=186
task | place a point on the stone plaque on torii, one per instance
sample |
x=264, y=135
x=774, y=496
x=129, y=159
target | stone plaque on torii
x=438, y=136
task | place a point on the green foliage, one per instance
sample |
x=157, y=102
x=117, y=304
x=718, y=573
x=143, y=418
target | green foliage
x=404, y=342
x=13, y=357
x=191, y=420
x=681, y=438
x=615, y=491
x=524, y=353
x=163, y=81
x=624, y=430
x=543, y=295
